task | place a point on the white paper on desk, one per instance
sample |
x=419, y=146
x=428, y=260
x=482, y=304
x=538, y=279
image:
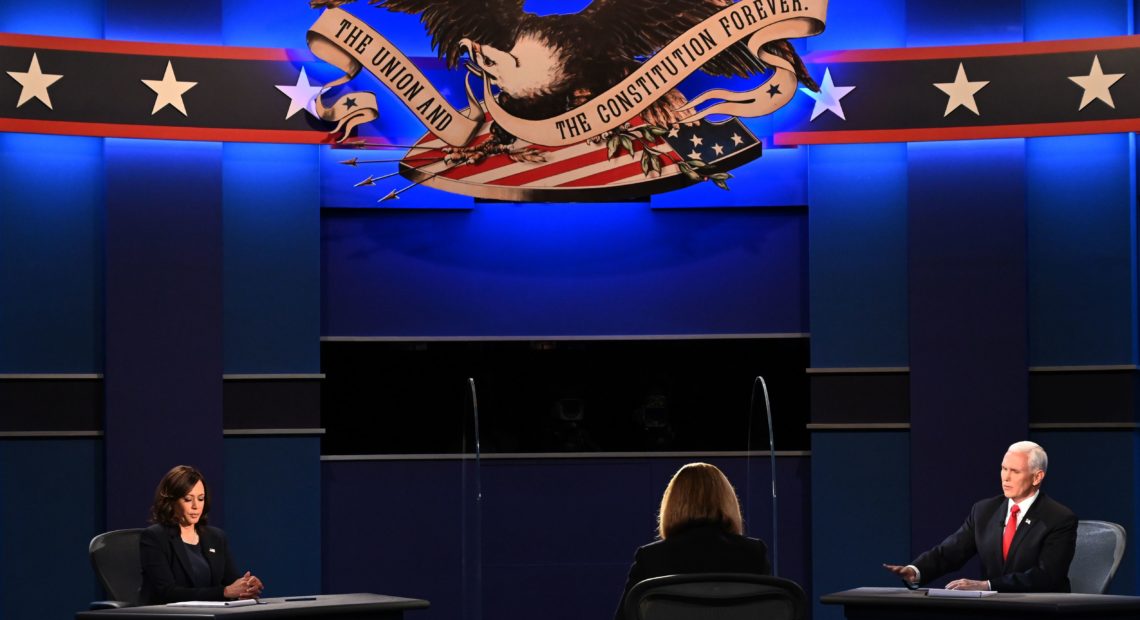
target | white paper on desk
x=238, y=603
x=960, y=593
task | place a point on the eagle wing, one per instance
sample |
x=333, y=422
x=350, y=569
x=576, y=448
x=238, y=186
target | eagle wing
x=642, y=27
x=493, y=22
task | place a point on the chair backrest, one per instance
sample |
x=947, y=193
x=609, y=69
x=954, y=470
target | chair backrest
x=115, y=557
x=1100, y=544
x=716, y=596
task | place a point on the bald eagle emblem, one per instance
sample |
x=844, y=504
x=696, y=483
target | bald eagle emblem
x=584, y=105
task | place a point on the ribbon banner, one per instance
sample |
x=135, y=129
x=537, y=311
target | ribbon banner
x=345, y=41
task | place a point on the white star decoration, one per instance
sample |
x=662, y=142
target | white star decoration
x=718, y=149
x=301, y=95
x=696, y=140
x=34, y=83
x=169, y=91
x=737, y=140
x=828, y=96
x=961, y=92
x=694, y=154
x=1096, y=84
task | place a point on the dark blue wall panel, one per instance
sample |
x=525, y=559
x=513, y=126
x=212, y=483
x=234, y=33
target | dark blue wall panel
x=1050, y=20
x=273, y=511
x=862, y=25
x=396, y=528
x=861, y=480
x=51, y=506
x=858, y=241
x=968, y=351
x=267, y=23
x=68, y=18
x=1081, y=293
x=271, y=218
x=963, y=22
x=583, y=269
x=51, y=254
x=164, y=22
x=164, y=318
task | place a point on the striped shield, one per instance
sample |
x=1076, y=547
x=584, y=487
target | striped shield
x=617, y=168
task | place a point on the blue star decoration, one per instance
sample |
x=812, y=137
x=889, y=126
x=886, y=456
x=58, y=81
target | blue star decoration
x=828, y=97
x=711, y=142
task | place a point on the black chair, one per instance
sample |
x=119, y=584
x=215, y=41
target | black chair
x=115, y=557
x=1100, y=545
x=716, y=596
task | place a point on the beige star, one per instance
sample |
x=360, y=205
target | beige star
x=169, y=91
x=961, y=92
x=34, y=83
x=1096, y=84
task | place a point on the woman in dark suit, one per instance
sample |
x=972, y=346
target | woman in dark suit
x=700, y=531
x=183, y=559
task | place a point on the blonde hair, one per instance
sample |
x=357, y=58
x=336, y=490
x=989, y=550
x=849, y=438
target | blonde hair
x=699, y=492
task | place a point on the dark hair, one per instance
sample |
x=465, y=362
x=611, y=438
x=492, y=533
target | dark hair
x=175, y=485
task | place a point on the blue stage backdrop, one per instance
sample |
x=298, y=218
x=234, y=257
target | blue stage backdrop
x=990, y=286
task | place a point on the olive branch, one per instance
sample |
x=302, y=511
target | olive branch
x=625, y=137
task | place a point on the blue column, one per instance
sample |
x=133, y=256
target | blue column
x=857, y=239
x=163, y=319
x=857, y=226
x=969, y=383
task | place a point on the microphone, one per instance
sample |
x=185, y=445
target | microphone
x=759, y=381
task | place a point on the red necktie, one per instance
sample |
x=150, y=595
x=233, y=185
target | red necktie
x=1010, y=528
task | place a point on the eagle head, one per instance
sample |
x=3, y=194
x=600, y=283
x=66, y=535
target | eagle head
x=534, y=66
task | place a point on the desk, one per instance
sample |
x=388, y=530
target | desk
x=347, y=606
x=900, y=603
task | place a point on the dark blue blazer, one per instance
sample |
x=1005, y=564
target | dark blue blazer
x=166, y=565
x=699, y=548
x=1039, y=555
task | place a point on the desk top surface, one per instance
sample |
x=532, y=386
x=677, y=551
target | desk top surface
x=281, y=607
x=1053, y=602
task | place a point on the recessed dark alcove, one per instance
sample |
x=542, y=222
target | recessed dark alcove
x=563, y=396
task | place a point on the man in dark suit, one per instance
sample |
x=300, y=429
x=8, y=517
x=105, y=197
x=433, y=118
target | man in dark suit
x=1024, y=538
